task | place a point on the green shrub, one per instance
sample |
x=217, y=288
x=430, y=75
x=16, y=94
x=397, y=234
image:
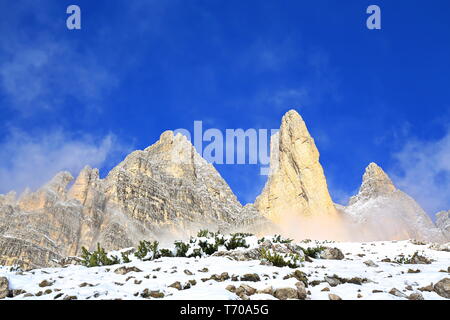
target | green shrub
x=181, y=248
x=165, y=253
x=125, y=257
x=313, y=252
x=278, y=239
x=97, y=258
x=237, y=240
x=147, y=250
x=281, y=260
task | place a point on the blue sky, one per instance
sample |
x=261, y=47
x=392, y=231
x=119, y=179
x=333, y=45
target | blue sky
x=137, y=68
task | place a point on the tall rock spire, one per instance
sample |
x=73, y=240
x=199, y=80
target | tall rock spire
x=297, y=184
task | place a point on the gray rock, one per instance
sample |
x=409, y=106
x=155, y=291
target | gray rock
x=442, y=288
x=370, y=263
x=332, y=254
x=397, y=293
x=4, y=287
x=286, y=293
x=332, y=296
x=301, y=290
x=416, y=296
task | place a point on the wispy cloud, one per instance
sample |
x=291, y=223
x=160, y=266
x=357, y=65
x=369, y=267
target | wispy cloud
x=42, y=68
x=423, y=171
x=30, y=160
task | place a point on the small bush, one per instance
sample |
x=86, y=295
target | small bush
x=279, y=239
x=125, y=257
x=97, y=258
x=313, y=252
x=281, y=260
x=165, y=253
x=181, y=248
x=237, y=240
x=147, y=250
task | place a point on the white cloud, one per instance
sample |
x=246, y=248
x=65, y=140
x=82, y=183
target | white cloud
x=41, y=70
x=43, y=76
x=423, y=171
x=31, y=160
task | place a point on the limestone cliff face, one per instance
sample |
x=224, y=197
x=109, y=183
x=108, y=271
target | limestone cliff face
x=382, y=212
x=166, y=190
x=297, y=184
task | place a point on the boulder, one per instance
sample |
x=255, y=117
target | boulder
x=4, y=287
x=442, y=288
x=332, y=254
x=286, y=293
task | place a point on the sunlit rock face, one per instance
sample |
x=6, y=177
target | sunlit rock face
x=296, y=194
x=382, y=212
x=163, y=192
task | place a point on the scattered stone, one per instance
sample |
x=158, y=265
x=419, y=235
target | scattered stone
x=442, y=288
x=332, y=296
x=370, y=263
x=48, y=291
x=325, y=289
x=377, y=291
x=220, y=278
x=189, y=273
x=192, y=282
x=315, y=283
x=59, y=295
x=245, y=289
x=332, y=254
x=428, y=288
x=4, y=287
x=286, y=293
x=231, y=288
x=203, y=270
x=85, y=284
x=45, y=283
x=301, y=290
x=176, y=285
x=268, y=290
x=359, y=296
x=125, y=270
x=386, y=260
x=416, y=296
x=152, y=294
x=137, y=281
x=397, y=293
x=418, y=259
x=333, y=281
x=16, y=292
x=70, y=298
x=413, y=271
x=253, y=277
x=299, y=275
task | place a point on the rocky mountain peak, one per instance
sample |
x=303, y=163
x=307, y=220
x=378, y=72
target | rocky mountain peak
x=297, y=185
x=375, y=183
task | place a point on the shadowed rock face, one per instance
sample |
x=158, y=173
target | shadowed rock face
x=382, y=212
x=443, y=223
x=166, y=190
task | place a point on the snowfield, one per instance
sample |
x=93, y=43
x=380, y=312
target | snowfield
x=218, y=277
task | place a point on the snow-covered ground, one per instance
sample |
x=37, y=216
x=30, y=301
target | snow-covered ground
x=156, y=276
